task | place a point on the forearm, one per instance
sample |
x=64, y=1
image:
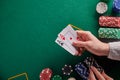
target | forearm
x=114, y=50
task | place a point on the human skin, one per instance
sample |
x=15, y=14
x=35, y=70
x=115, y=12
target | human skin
x=91, y=43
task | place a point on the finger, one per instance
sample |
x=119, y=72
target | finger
x=106, y=76
x=97, y=73
x=80, y=51
x=85, y=34
x=91, y=75
x=77, y=53
x=79, y=33
x=79, y=44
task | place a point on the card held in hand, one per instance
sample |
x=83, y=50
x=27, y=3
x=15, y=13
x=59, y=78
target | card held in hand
x=65, y=39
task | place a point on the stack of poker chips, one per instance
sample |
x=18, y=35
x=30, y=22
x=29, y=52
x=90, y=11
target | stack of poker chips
x=82, y=68
x=116, y=6
x=112, y=31
x=47, y=73
x=109, y=21
x=110, y=26
x=101, y=8
x=57, y=77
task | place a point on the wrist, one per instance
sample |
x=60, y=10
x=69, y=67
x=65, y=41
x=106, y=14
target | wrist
x=106, y=49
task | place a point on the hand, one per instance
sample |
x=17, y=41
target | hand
x=100, y=76
x=91, y=43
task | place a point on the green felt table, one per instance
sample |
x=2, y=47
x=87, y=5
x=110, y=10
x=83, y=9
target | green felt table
x=28, y=29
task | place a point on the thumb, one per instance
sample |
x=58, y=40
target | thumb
x=79, y=44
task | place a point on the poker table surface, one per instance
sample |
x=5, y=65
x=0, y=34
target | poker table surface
x=28, y=29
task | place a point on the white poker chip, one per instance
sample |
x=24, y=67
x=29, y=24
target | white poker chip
x=101, y=7
x=71, y=78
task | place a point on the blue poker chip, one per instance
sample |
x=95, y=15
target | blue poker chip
x=82, y=70
x=116, y=6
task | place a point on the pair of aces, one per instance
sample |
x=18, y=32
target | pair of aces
x=65, y=39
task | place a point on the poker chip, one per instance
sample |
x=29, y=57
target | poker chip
x=116, y=6
x=109, y=21
x=46, y=74
x=90, y=61
x=57, y=77
x=67, y=69
x=109, y=33
x=101, y=7
x=71, y=78
x=82, y=70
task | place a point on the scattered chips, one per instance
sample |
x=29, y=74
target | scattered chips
x=46, y=74
x=116, y=6
x=101, y=7
x=67, y=69
x=90, y=61
x=82, y=70
x=57, y=77
x=83, y=67
x=71, y=78
x=109, y=21
x=113, y=33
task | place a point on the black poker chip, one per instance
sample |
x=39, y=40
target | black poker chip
x=67, y=69
x=90, y=61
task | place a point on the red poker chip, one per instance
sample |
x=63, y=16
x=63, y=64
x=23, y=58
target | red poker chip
x=46, y=74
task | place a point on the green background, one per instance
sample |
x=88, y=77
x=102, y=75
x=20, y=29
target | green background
x=28, y=29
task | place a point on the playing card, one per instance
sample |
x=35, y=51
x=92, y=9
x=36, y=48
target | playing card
x=68, y=35
x=63, y=45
